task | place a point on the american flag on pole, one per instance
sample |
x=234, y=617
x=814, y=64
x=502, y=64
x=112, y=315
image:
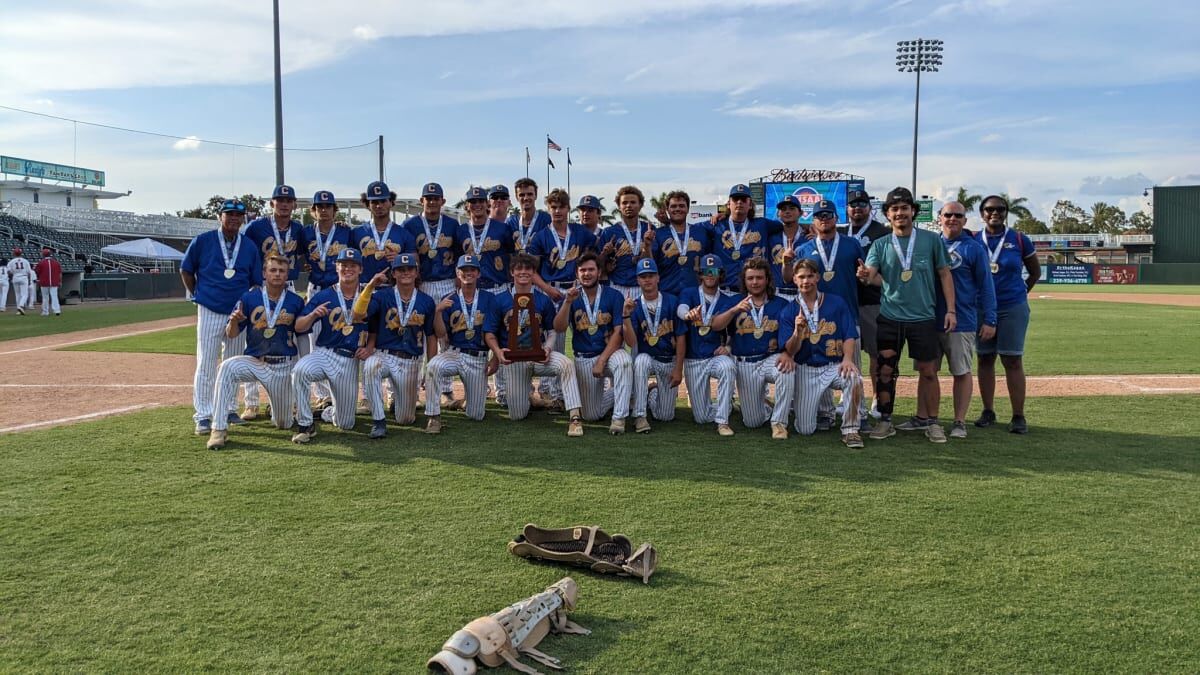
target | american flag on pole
x=550, y=144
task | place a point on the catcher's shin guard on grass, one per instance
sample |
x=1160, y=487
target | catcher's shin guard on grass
x=588, y=546
x=514, y=631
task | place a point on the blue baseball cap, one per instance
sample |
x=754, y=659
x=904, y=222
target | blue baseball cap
x=233, y=206
x=404, y=260
x=476, y=193
x=467, y=260
x=590, y=202
x=283, y=191
x=739, y=190
x=378, y=191
x=350, y=255
x=498, y=191
x=790, y=199
x=710, y=262
x=432, y=190
x=646, y=266
x=324, y=197
x=825, y=206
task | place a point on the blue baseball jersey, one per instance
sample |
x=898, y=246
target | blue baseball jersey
x=624, y=255
x=703, y=345
x=383, y=316
x=204, y=260
x=334, y=324
x=544, y=245
x=780, y=242
x=322, y=270
x=1016, y=247
x=445, y=251
x=375, y=259
x=496, y=241
x=742, y=338
x=502, y=314
x=522, y=235
x=669, y=327
x=674, y=276
x=845, y=266
x=584, y=341
x=974, y=293
x=755, y=243
x=836, y=323
x=289, y=242
x=454, y=319
x=283, y=341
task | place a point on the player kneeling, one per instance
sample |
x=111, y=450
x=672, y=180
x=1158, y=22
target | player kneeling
x=518, y=374
x=459, y=321
x=819, y=331
x=707, y=356
x=267, y=314
x=652, y=327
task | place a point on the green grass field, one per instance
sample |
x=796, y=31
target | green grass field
x=87, y=316
x=180, y=340
x=1163, y=289
x=126, y=546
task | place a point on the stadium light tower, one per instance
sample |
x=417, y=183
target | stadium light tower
x=278, y=105
x=917, y=56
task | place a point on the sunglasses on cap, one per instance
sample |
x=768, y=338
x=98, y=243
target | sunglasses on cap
x=233, y=207
x=711, y=271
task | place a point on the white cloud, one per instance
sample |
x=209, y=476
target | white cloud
x=807, y=112
x=616, y=111
x=990, y=138
x=638, y=73
x=189, y=143
x=590, y=108
x=446, y=75
x=365, y=33
x=1110, y=185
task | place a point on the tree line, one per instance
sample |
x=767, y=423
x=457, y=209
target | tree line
x=1067, y=218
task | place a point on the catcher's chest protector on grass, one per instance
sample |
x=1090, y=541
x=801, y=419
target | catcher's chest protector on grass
x=588, y=546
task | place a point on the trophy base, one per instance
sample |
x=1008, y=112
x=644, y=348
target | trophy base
x=516, y=355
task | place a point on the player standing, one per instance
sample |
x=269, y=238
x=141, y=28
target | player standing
x=3, y=284
x=459, y=321
x=530, y=219
x=678, y=245
x=279, y=233
x=380, y=240
x=20, y=271
x=707, y=358
x=739, y=237
x=784, y=245
x=49, y=274
x=486, y=237
x=654, y=331
x=624, y=242
x=436, y=235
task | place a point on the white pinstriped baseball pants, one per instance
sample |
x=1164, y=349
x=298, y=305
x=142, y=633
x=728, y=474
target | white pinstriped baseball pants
x=405, y=375
x=342, y=374
x=212, y=347
x=275, y=377
x=471, y=369
x=548, y=387
x=519, y=375
x=597, y=399
x=813, y=383
x=662, y=399
x=20, y=292
x=698, y=374
x=438, y=290
x=3, y=291
x=752, y=379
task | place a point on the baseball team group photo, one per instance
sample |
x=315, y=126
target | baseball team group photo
x=524, y=345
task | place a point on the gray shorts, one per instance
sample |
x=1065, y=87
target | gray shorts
x=960, y=348
x=868, y=316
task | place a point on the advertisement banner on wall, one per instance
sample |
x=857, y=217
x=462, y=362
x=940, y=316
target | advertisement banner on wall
x=1069, y=274
x=48, y=171
x=1115, y=274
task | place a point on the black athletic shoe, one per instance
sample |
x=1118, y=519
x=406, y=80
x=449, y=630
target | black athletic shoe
x=986, y=419
x=378, y=429
x=1018, y=425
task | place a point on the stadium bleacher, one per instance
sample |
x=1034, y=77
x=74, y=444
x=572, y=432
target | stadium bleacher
x=73, y=251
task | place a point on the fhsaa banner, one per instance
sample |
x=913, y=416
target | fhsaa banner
x=47, y=171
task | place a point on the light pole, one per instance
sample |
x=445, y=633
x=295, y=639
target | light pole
x=278, y=105
x=915, y=56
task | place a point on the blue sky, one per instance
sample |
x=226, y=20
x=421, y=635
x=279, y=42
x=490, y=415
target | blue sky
x=1085, y=101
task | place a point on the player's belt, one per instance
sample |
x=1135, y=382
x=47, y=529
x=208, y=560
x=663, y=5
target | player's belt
x=662, y=359
x=276, y=360
x=399, y=354
x=472, y=352
x=750, y=359
x=789, y=293
x=348, y=353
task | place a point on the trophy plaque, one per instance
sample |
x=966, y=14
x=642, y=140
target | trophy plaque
x=524, y=345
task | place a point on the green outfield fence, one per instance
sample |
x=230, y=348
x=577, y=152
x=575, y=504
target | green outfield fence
x=1169, y=273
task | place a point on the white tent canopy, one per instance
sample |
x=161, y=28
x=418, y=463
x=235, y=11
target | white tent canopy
x=144, y=248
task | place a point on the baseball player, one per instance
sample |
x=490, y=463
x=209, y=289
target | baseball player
x=707, y=358
x=518, y=374
x=590, y=210
x=654, y=331
x=623, y=242
x=21, y=272
x=678, y=246
x=759, y=357
x=267, y=314
x=279, y=233
x=218, y=267
x=494, y=274
x=591, y=310
x=401, y=317
x=487, y=238
x=974, y=303
x=866, y=230
x=459, y=320
x=380, y=240
x=49, y=274
x=739, y=236
x=907, y=264
x=784, y=245
x=438, y=247
x=4, y=284
x=326, y=239
x=530, y=219
x=340, y=346
x=818, y=329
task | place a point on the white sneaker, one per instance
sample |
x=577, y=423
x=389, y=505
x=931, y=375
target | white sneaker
x=327, y=415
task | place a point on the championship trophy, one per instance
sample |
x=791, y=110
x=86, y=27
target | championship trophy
x=524, y=345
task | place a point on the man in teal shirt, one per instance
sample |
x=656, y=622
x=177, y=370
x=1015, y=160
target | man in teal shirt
x=908, y=263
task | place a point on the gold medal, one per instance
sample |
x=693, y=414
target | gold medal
x=269, y=333
x=432, y=253
x=347, y=329
x=651, y=340
x=561, y=263
x=995, y=267
x=592, y=329
x=814, y=337
x=828, y=276
x=758, y=333
x=379, y=255
x=703, y=330
x=230, y=273
x=682, y=260
x=321, y=264
x=906, y=275
x=736, y=255
x=470, y=334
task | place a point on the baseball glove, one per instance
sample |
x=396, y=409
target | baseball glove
x=587, y=546
x=512, y=632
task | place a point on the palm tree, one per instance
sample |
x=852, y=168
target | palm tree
x=967, y=199
x=1016, y=206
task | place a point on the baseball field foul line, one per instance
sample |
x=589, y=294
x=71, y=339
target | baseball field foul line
x=77, y=418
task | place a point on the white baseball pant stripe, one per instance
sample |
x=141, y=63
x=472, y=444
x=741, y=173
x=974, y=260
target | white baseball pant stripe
x=827, y=409
x=628, y=292
x=50, y=300
x=405, y=375
x=548, y=386
x=698, y=373
x=752, y=379
x=521, y=373
x=499, y=377
x=3, y=292
x=438, y=289
x=20, y=292
x=275, y=377
x=812, y=382
x=32, y=300
x=321, y=389
x=597, y=399
x=212, y=347
x=661, y=400
x=342, y=374
x=471, y=369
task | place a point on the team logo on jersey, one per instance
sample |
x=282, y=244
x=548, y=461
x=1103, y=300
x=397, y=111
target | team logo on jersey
x=956, y=260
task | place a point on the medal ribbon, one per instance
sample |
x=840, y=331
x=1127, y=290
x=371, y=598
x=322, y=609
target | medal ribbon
x=477, y=244
x=828, y=261
x=272, y=316
x=993, y=253
x=323, y=244
x=287, y=238
x=652, y=324
x=406, y=314
x=347, y=318
x=230, y=257
x=813, y=318
x=562, y=244
x=687, y=239
x=468, y=310
x=592, y=311
x=738, y=237
x=635, y=242
x=432, y=237
x=905, y=260
x=381, y=240
x=757, y=316
x=707, y=309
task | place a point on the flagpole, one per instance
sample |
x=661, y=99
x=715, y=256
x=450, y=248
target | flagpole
x=568, y=169
x=527, y=161
x=547, y=163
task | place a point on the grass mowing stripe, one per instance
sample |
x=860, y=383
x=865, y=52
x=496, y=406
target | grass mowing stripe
x=180, y=340
x=87, y=316
x=126, y=546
